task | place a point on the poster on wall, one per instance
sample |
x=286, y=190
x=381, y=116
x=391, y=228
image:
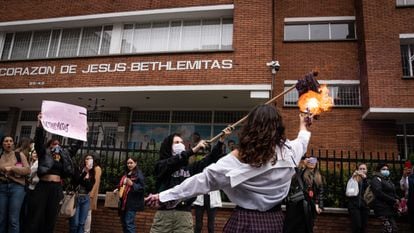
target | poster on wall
x=64, y=119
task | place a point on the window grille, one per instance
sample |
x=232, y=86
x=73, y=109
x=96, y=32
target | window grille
x=25, y=131
x=407, y=59
x=151, y=116
x=405, y=140
x=228, y=117
x=343, y=95
x=109, y=137
x=103, y=116
x=3, y=116
x=29, y=115
x=191, y=117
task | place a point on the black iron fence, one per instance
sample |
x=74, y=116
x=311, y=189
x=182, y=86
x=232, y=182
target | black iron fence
x=336, y=168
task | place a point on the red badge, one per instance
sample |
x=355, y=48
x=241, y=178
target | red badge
x=310, y=193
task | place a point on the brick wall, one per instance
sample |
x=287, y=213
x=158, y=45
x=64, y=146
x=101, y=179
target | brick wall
x=374, y=59
x=106, y=220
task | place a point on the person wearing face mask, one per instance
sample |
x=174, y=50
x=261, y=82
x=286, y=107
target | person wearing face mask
x=386, y=200
x=357, y=208
x=172, y=169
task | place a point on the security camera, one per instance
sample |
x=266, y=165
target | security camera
x=274, y=65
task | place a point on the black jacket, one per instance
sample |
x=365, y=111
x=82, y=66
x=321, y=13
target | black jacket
x=385, y=196
x=173, y=170
x=135, y=198
x=46, y=161
x=358, y=202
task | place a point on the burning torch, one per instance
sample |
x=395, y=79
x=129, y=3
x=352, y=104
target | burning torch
x=310, y=104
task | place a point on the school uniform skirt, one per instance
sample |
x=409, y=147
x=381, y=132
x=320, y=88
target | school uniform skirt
x=254, y=221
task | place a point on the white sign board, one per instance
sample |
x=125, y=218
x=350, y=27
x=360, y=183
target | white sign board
x=64, y=119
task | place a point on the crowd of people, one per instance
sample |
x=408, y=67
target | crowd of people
x=259, y=174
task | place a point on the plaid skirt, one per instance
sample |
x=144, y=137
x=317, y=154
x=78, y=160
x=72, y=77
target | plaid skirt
x=254, y=221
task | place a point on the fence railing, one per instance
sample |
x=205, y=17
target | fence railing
x=336, y=168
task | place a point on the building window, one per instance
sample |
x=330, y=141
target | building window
x=405, y=2
x=149, y=128
x=178, y=35
x=71, y=42
x=25, y=131
x=405, y=141
x=407, y=59
x=319, y=29
x=343, y=95
x=109, y=137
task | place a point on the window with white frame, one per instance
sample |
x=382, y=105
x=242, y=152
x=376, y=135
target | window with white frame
x=68, y=42
x=345, y=94
x=405, y=2
x=407, y=57
x=178, y=35
x=405, y=140
x=320, y=28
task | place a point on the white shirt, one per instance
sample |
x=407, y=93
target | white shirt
x=249, y=187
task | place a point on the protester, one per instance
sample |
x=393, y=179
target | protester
x=407, y=187
x=54, y=164
x=386, y=201
x=24, y=146
x=131, y=191
x=93, y=195
x=83, y=181
x=13, y=169
x=410, y=200
x=172, y=168
x=256, y=176
x=357, y=208
x=31, y=182
x=208, y=203
x=301, y=215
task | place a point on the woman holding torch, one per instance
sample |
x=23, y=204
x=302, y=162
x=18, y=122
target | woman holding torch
x=256, y=176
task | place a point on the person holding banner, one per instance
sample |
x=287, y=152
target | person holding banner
x=53, y=165
x=256, y=176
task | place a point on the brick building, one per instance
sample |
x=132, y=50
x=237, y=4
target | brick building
x=148, y=68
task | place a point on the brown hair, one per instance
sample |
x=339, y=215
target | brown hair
x=259, y=136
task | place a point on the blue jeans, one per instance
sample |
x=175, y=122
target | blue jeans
x=11, y=200
x=77, y=222
x=128, y=221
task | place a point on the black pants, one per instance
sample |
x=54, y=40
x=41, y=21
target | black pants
x=43, y=207
x=359, y=219
x=300, y=217
x=199, y=214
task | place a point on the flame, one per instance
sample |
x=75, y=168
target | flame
x=314, y=102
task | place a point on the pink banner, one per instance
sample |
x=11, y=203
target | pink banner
x=64, y=119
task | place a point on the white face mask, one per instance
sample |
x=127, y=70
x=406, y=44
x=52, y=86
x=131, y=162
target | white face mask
x=178, y=148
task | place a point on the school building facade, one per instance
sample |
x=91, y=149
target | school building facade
x=145, y=69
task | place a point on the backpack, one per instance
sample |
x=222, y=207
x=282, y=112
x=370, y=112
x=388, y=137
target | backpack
x=369, y=196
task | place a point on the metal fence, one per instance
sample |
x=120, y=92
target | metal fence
x=336, y=168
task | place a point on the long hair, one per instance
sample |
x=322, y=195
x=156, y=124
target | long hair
x=313, y=176
x=83, y=164
x=2, y=140
x=260, y=135
x=166, y=146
